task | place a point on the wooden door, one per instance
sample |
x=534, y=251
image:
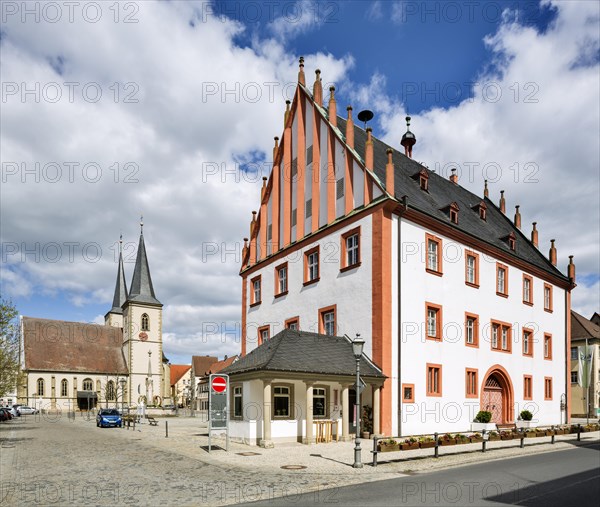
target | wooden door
x=493, y=400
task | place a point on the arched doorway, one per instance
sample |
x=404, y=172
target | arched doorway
x=497, y=395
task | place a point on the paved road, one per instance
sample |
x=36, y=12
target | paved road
x=562, y=479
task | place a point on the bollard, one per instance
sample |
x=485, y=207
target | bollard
x=375, y=452
x=579, y=432
x=553, y=433
x=484, y=441
x=166, y=429
x=522, y=438
x=437, y=446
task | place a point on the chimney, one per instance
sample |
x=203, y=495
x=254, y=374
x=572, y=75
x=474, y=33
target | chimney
x=253, y=224
x=502, y=202
x=552, y=253
x=263, y=189
x=571, y=269
x=245, y=248
x=534, y=235
x=349, y=128
x=517, y=217
x=454, y=177
x=332, y=107
x=389, y=173
x=318, y=89
x=369, y=150
x=408, y=139
x=275, y=148
x=286, y=115
x=301, y=78
x=486, y=192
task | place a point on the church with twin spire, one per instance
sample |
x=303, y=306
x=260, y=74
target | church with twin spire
x=78, y=366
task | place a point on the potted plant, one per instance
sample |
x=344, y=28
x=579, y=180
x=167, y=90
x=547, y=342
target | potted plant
x=388, y=445
x=524, y=419
x=461, y=439
x=494, y=435
x=409, y=444
x=366, y=422
x=426, y=442
x=447, y=439
x=482, y=421
x=506, y=435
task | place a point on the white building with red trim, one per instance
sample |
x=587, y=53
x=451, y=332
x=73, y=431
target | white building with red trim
x=458, y=307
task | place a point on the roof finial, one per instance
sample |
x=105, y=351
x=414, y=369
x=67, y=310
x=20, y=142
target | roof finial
x=121, y=243
x=141, y=224
x=408, y=139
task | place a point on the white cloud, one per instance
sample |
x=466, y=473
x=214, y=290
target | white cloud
x=297, y=18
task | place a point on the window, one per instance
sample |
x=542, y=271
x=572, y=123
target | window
x=237, y=402
x=512, y=242
x=574, y=377
x=88, y=385
x=548, y=297
x=350, y=249
x=40, y=387
x=501, y=336
x=263, y=334
x=471, y=330
x=454, y=213
x=472, y=269
x=574, y=354
x=64, y=387
x=281, y=402
x=293, y=324
x=145, y=322
x=527, y=387
x=434, y=254
x=501, y=280
x=319, y=402
x=327, y=323
x=527, y=290
x=482, y=211
x=110, y=391
x=527, y=342
x=311, y=266
x=281, y=280
x=408, y=393
x=433, y=322
x=471, y=390
x=434, y=379
x=547, y=346
x=256, y=291
x=424, y=180
x=547, y=388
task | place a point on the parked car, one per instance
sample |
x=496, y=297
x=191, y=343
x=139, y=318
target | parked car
x=13, y=411
x=169, y=407
x=108, y=417
x=5, y=414
x=25, y=410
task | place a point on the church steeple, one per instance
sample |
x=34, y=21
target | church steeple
x=121, y=286
x=141, y=290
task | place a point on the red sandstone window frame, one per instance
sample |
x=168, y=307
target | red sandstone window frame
x=438, y=321
x=548, y=305
x=527, y=387
x=260, y=331
x=307, y=254
x=548, y=346
x=344, y=266
x=475, y=282
x=438, y=271
x=504, y=292
x=406, y=399
x=475, y=318
x=293, y=320
x=471, y=383
x=278, y=292
x=529, y=352
x=528, y=301
x=430, y=371
x=324, y=311
x=253, y=301
x=501, y=326
x=547, y=388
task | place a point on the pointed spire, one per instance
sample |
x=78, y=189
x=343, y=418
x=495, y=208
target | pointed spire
x=286, y=115
x=349, y=128
x=121, y=286
x=318, y=88
x=264, y=188
x=534, y=235
x=301, y=78
x=275, y=148
x=141, y=290
x=486, y=192
x=332, y=107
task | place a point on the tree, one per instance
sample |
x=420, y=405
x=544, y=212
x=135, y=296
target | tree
x=9, y=346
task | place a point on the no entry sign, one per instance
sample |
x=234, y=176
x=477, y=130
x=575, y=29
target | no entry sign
x=218, y=384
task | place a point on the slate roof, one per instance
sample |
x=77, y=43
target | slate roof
x=178, y=371
x=441, y=193
x=302, y=352
x=582, y=328
x=202, y=364
x=141, y=290
x=120, y=289
x=57, y=345
x=219, y=365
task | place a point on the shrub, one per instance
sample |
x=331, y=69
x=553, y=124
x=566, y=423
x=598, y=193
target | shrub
x=526, y=415
x=483, y=416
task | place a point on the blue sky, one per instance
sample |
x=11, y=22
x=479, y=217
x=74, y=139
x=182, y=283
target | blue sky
x=168, y=143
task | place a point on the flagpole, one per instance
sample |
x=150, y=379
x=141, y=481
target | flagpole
x=587, y=390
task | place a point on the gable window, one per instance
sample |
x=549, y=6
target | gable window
x=311, y=266
x=424, y=181
x=433, y=323
x=327, y=324
x=319, y=402
x=434, y=379
x=574, y=377
x=408, y=393
x=471, y=390
x=350, y=249
x=548, y=297
x=256, y=291
x=64, y=387
x=454, y=209
x=547, y=388
x=293, y=324
x=434, y=254
x=527, y=342
x=472, y=269
x=527, y=387
x=471, y=330
x=501, y=280
x=40, y=387
x=263, y=334
x=512, y=243
x=547, y=346
x=501, y=336
x=145, y=322
x=528, y=290
x=482, y=211
x=88, y=385
x=281, y=280
x=237, y=402
x=282, y=402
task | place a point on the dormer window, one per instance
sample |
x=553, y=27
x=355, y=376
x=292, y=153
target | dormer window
x=481, y=208
x=511, y=240
x=423, y=178
x=452, y=210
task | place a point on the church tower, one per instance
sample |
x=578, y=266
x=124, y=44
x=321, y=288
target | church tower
x=114, y=317
x=142, y=333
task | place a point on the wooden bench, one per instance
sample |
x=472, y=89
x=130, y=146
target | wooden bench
x=507, y=427
x=152, y=421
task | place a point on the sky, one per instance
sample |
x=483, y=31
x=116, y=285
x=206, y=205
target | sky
x=110, y=111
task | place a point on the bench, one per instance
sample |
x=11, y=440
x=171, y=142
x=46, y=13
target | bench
x=507, y=427
x=152, y=421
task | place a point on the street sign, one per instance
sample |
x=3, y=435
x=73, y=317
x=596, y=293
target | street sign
x=218, y=384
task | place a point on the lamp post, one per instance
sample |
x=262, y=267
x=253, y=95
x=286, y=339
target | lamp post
x=122, y=381
x=357, y=349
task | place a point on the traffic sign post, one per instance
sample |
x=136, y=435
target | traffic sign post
x=218, y=407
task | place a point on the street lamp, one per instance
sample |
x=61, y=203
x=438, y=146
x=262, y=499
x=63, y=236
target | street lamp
x=122, y=381
x=357, y=349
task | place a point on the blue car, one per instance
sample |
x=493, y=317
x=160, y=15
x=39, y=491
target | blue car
x=108, y=417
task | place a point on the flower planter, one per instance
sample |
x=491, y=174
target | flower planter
x=493, y=438
x=448, y=442
x=530, y=434
x=426, y=445
x=479, y=427
x=409, y=446
x=507, y=437
x=388, y=448
x=476, y=439
x=460, y=441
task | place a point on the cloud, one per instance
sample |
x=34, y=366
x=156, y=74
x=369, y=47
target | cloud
x=298, y=18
